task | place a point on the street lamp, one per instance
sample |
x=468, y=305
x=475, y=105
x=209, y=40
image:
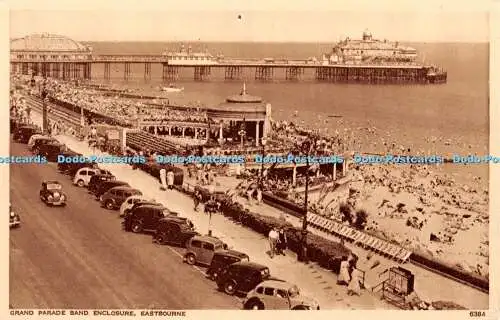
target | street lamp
x=209, y=208
x=306, y=147
x=263, y=142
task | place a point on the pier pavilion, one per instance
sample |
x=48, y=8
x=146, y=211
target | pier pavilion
x=243, y=112
x=50, y=55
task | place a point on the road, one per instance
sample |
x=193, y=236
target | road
x=79, y=256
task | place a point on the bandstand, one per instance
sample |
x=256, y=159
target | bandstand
x=50, y=55
x=242, y=111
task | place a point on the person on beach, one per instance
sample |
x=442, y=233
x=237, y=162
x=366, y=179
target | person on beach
x=273, y=240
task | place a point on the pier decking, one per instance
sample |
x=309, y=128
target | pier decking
x=228, y=69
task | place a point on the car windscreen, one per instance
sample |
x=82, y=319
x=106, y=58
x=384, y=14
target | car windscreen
x=53, y=186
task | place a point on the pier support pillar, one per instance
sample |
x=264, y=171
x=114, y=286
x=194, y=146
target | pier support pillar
x=170, y=72
x=169, y=131
x=294, y=73
x=156, y=130
x=221, y=134
x=147, y=71
x=183, y=132
x=107, y=70
x=294, y=175
x=201, y=73
x=233, y=73
x=264, y=73
x=196, y=133
x=126, y=73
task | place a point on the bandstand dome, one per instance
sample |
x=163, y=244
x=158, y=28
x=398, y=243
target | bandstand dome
x=47, y=42
x=240, y=107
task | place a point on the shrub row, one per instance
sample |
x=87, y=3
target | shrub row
x=325, y=252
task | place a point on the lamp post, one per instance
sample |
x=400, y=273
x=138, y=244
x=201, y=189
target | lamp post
x=211, y=191
x=263, y=142
x=307, y=147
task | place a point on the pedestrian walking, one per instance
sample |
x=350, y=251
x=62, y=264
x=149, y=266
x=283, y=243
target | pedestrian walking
x=273, y=240
x=163, y=179
x=259, y=196
x=197, y=199
x=170, y=179
x=282, y=241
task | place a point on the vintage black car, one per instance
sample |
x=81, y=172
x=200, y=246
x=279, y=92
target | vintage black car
x=174, y=230
x=97, y=179
x=222, y=259
x=241, y=277
x=143, y=203
x=144, y=218
x=103, y=187
x=23, y=133
x=63, y=166
x=39, y=141
x=50, y=150
x=52, y=193
x=14, y=219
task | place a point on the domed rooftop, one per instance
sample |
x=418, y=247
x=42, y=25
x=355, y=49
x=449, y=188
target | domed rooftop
x=243, y=97
x=46, y=42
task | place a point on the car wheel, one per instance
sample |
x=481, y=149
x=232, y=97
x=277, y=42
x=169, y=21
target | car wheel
x=80, y=183
x=190, y=259
x=136, y=226
x=300, y=308
x=254, y=305
x=109, y=205
x=230, y=287
x=160, y=238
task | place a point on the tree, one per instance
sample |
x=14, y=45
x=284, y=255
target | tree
x=361, y=219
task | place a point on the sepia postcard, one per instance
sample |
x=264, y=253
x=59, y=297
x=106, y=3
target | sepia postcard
x=203, y=159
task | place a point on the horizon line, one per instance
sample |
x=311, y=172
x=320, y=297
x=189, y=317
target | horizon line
x=192, y=41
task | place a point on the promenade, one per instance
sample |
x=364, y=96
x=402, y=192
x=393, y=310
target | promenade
x=312, y=279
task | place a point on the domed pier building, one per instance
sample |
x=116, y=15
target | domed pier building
x=50, y=55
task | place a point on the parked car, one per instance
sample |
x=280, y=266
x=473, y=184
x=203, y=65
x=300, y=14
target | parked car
x=278, y=295
x=201, y=250
x=24, y=132
x=103, y=187
x=51, y=192
x=34, y=138
x=65, y=167
x=222, y=259
x=129, y=203
x=144, y=218
x=50, y=150
x=242, y=277
x=97, y=179
x=83, y=175
x=14, y=218
x=114, y=197
x=174, y=230
x=39, y=141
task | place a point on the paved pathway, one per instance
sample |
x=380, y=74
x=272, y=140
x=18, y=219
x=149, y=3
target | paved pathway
x=312, y=279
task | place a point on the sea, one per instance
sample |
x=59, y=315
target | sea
x=443, y=119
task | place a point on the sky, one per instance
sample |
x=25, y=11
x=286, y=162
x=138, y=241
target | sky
x=260, y=20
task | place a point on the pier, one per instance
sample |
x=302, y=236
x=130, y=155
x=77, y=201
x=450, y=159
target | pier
x=79, y=64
